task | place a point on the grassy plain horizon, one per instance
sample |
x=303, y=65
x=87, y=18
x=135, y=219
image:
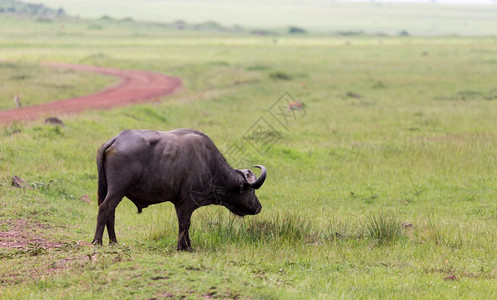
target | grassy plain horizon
x=322, y=17
x=398, y=129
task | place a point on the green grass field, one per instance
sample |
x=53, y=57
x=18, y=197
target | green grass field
x=396, y=130
x=35, y=84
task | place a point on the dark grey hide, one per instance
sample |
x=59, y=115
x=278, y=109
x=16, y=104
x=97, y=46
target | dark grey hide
x=182, y=166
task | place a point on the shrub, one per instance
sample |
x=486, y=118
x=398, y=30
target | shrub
x=296, y=30
x=280, y=76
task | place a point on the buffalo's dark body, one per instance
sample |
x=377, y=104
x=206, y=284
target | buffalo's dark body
x=182, y=166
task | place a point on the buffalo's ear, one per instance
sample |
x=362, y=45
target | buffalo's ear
x=249, y=176
x=259, y=181
x=243, y=183
x=251, y=180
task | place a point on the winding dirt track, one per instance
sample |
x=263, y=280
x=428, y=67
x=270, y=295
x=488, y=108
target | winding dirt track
x=136, y=86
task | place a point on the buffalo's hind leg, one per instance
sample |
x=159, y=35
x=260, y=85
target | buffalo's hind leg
x=106, y=217
x=110, y=228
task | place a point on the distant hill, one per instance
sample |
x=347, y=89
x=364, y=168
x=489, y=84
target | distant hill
x=315, y=16
x=264, y=17
x=20, y=8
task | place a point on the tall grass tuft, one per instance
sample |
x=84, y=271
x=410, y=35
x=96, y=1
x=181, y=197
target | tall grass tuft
x=441, y=235
x=434, y=232
x=217, y=230
x=383, y=229
x=286, y=228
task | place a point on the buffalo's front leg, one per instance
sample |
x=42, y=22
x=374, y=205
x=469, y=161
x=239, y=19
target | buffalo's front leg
x=184, y=214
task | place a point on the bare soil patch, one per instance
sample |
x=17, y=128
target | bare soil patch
x=136, y=86
x=20, y=234
x=32, y=252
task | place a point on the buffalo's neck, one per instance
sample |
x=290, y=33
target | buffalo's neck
x=217, y=191
x=213, y=186
x=229, y=180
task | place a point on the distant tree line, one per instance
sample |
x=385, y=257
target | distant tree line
x=14, y=7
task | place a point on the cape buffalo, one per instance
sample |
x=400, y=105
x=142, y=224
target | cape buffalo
x=182, y=166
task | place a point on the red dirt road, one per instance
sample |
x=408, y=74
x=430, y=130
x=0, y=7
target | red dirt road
x=136, y=86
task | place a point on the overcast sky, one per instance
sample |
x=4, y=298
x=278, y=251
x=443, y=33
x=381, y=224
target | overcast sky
x=427, y=1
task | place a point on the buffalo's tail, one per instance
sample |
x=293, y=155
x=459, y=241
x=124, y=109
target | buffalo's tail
x=102, y=177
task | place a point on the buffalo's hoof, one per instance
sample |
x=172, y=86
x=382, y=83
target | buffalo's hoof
x=95, y=242
x=187, y=248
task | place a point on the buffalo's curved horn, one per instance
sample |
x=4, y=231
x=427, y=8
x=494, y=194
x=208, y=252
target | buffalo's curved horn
x=258, y=183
